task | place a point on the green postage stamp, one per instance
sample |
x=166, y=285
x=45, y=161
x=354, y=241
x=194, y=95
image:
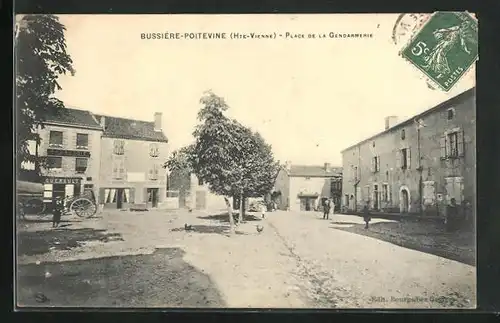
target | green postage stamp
x=445, y=48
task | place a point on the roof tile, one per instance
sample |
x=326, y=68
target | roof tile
x=131, y=129
x=313, y=171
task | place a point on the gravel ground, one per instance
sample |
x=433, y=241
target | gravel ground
x=349, y=270
x=297, y=261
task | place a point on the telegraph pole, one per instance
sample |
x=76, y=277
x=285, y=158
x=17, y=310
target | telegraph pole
x=420, y=169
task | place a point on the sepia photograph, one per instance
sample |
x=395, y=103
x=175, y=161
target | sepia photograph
x=245, y=161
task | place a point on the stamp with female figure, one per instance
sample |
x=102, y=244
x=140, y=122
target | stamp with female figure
x=445, y=48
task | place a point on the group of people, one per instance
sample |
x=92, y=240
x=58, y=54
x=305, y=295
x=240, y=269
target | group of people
x=328, y=206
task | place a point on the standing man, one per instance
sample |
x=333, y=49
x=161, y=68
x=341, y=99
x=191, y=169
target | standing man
x=57, y=211
x=366, y=215
x=326, y=209
x=451, y=215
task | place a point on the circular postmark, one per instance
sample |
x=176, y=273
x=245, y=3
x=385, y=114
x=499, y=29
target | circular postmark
x=406, y=25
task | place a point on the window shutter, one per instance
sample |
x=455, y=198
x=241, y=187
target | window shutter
x=408, y=158
x=101, y=195
x=373, y=165
x=146, y=196
x=443, y=146
x=132, y=196
x=460, y=143
x=115, y=167
x=398, y=158
x=378, y=163
x=122, y=168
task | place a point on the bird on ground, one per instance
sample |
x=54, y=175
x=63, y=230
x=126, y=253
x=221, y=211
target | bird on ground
x=260, y=228
x=188, y=227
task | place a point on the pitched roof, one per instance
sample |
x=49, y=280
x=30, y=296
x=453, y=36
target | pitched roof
x=73, y=117
x=131, y=129
x=313, y=171
x=454, y=100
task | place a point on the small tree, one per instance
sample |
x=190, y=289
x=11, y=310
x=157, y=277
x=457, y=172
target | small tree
x=41, y=57
x=229, y=157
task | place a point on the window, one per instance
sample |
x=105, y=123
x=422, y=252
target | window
x=81, y=165
x=359, y=197
x=153, y=172
x=154, y=150
x=385, y=192
x=450, y=113
x=373, y=144
x=56, y=139
x=454, y=189
x=452, y=145
x=82, y=141
x=118, y=167
x=119, y=147
x=403, y=158
x=376, y=164
x=355, y=172
x=403, y=134
x=54, y=162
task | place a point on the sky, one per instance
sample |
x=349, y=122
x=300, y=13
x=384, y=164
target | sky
x=309, y=98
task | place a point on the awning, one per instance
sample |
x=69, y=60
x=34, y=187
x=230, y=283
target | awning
x=28, y=187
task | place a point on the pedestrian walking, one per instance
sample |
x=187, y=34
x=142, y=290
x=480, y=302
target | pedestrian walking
x=326, y=209
x=57, y=212
x=366, y=215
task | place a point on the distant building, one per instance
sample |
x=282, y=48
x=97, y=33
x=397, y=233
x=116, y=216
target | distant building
x=418, y=165
x=70, y=143
x=132, y=156
x=305, y=187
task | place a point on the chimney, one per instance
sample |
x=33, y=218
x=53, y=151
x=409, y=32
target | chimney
x=103, y=122
x=158, y=116
x=390, y=121
x=328, y=167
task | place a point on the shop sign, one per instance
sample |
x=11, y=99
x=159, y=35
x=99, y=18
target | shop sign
x=68, y=153
x=62, y=180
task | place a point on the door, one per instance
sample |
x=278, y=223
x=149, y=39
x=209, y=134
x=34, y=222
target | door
x=153, y=197
x=308, y=204
x=119, y=198
x=375, y=197
x=404, y=201
x=58, y=190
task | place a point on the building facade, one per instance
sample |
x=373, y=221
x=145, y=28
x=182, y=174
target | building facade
x=305, y=187
x=132, y=156
x=416, y=166
x=193, y=193
x=70, y=145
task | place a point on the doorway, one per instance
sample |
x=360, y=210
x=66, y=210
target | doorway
x=153, y=196
x=119, y=198
x=376, y=201
x=405, y=202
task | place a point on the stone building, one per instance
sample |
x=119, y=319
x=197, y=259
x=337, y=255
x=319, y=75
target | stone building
x=193, y=193
x=132, y=155
x=418, y=165
x=70, y=143
x=305, y=187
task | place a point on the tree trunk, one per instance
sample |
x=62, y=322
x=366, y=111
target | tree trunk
x=230, y=214
x=242, y=209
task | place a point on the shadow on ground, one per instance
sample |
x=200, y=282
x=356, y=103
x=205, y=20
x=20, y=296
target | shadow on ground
x=39, y=242
x=209, y=229
x=429, y=237
x=160, y=279
x=222, y=217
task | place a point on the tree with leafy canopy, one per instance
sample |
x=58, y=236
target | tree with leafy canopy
x=232, y=159
x=41, y=57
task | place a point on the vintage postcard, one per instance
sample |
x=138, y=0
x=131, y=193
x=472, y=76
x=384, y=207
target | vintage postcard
x=246, y=161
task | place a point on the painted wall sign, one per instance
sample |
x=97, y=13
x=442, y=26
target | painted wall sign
x=62, y=180
x=68, y=153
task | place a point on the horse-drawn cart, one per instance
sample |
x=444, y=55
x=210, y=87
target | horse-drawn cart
x=31, y=202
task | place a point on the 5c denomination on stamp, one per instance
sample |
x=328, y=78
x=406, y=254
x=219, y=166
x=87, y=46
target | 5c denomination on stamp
x=445, y=48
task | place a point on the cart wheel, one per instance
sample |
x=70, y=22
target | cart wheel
x=83, y=207
x=34, y=206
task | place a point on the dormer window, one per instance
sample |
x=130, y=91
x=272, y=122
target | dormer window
x=154, y=150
